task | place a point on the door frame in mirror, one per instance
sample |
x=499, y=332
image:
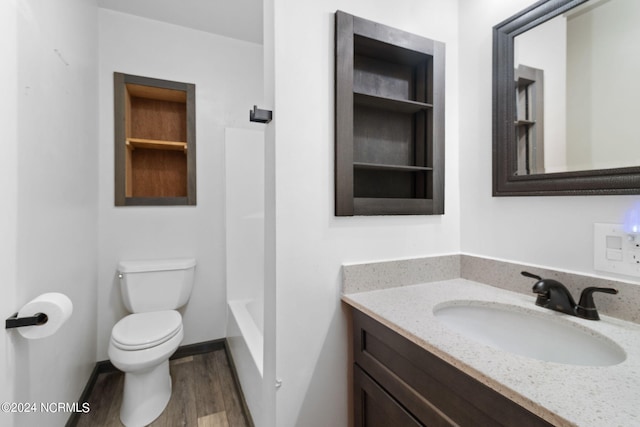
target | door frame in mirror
x=505, y=182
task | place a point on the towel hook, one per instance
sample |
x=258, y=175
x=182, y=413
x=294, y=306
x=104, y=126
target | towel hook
x=260, y=116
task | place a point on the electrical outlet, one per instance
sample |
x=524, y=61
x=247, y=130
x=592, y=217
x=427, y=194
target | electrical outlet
x=615, y=250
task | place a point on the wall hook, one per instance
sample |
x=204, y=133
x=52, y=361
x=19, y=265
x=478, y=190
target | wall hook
x=17, y=322
x=260, y=116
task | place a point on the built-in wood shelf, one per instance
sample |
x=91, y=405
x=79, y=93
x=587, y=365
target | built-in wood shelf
x=389, y=118
x=398, y=105
x=156, y=144
x=399, y=168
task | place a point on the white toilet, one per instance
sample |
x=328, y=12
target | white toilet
x=141, y=343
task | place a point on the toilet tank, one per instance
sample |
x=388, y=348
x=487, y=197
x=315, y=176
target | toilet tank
x=155, y=285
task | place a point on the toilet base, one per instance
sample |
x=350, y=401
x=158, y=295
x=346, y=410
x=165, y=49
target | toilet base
x=146, y=394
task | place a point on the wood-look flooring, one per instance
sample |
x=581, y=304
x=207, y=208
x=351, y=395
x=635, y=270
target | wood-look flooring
x=204, y=395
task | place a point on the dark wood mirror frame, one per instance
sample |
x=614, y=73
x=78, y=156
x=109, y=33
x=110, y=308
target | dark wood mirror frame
x=505, y=182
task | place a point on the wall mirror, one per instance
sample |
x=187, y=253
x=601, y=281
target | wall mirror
x=565, y=92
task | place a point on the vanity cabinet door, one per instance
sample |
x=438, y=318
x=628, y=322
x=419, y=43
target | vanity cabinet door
x=433, y=391
x=374, y=407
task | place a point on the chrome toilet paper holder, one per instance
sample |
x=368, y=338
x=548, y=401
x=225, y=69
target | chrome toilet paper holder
x=17, y=322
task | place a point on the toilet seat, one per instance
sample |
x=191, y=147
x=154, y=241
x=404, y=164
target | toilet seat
x=140, y=331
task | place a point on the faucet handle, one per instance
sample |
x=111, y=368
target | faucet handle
x=543, y=287
x=586, y=305
x=586, y=297
x=531, y=275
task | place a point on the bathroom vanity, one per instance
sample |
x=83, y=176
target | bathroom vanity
x=391, y=373
x=411, y=369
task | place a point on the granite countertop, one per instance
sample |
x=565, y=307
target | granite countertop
x=565, y=395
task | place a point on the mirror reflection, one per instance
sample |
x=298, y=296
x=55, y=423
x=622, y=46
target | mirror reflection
x=577, y=86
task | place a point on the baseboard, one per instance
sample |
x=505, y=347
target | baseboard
x=182, y=351
x=199, y=348
x=74, y=417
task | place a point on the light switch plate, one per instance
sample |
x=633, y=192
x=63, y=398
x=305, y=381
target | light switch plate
x=615, y=251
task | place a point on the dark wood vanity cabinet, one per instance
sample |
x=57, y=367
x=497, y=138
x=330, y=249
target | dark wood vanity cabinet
x=398, y=383
x=389, y=150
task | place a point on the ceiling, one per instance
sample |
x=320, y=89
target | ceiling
x=238, y=19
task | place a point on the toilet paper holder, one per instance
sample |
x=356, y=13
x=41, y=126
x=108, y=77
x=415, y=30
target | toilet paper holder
x=17, y=322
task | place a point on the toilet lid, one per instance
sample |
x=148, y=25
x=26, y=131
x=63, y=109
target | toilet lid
x=143, y=330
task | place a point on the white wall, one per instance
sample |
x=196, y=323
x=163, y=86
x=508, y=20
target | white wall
x=556, y=232
x=227, y=74
x=603, y=88
x=8, y=188
x=55, y=208
x=311, y=243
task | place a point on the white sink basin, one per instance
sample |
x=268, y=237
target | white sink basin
x=529, y=333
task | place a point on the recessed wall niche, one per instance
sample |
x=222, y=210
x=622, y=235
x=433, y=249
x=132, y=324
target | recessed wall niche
x=389, y=118
x=155, y=143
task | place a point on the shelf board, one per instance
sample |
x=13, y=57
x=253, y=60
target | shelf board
x=158, y=93
x=524, y=122
x=391, y=206
x=156, y=144
x=387, y=51
x=399, y=168
x=400, y=105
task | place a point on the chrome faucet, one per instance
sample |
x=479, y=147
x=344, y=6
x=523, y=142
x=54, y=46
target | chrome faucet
x=555, y=296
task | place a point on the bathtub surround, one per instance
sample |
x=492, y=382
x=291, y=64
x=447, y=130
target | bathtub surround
x=358, y=278
x=245, y=344
x=244, y=219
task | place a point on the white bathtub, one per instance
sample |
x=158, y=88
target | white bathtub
x=244, y=336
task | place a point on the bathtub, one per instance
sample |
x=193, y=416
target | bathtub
x=245, y=340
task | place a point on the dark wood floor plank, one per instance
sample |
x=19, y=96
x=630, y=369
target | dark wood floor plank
x=209, y=396
x=203, y=393
x=98, y=405
x=214, y=420
x=232, y=402
x=113, y=414
x=181, y=409
x=101, y=401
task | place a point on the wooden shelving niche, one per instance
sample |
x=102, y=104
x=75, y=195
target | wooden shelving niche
x=389, y=120
x=155, y=141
